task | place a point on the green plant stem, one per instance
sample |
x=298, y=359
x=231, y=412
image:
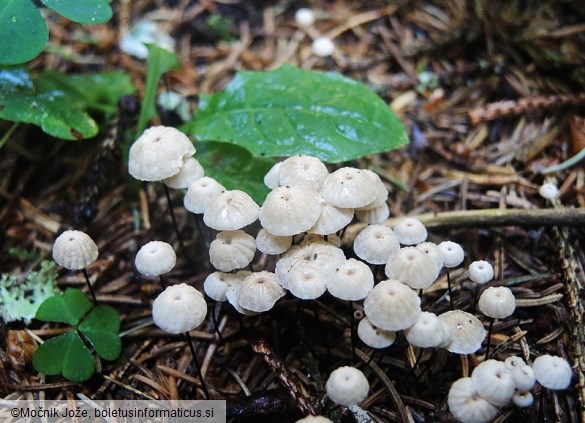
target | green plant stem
x=95, y=301
x=8, y=134
x=196, y=362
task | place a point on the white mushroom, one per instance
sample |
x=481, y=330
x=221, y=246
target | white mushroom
x=352, y=281
x=259, y=291
x=552, y=372
x=467, y=405
x=179, y=308
x=467, y=331
x=391, y=305
x=231, y=210
x=231, y=250
x=201, y=193
x=410, y=231
x=190, y=172
x=374, y=337
x=74, y=250
x=347, y=386
x=155, y=258
x=375, y=244
x=349, y=187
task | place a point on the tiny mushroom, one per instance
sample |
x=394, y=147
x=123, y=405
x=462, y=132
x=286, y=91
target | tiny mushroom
x=347, y=386
x=391, y=305
x=302, y=170
x=74, y=250
x=155, y=258
x=353, y=280
x=549, y=191
x=497, y=302
x=494, y=382
x=375, y=244
x=349, y=187
x=481, y=271
x=179, y=308
x=413, y=267
x=374, y=337
x=452, y=253
x=410, y=231
x=304, y=17
x=231, y=210
x=259, y=291
x=231, y=250
x=190, y=172
x=522, y=399
x=201, y=193
x=272, y=244
x=323, y=46
x=467, y=331
x=467, y=405
x=428, y=332
x=552, y=372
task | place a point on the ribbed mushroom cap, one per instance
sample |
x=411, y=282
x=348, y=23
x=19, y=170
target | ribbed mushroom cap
x=467, y=405
x=348, y=187
x=452, y=253
x=272, y=244
x=216, y=284
x=179, y=308
x=375, y=244
x=259, y=291
x=391, y=305
x=158, y=153
x=497, y=302
x=190, y=172
x=271, y=178
x=331, y=219
x=290, y=210
x=155, y=258
x=231, y=210
x=347, y=386
x=314, y=419
x=302, y=170
x=352, y=281
x=552, y=372
x=466, y=330
x=374, y=337
x=74, y=250
x=232, y=297
x=381, y=190
x=231, y=250
x=481, y=271
x=412, y=267
x=306, y=281
x=374, y=215
x=549, y=191
x=201, y=193
x=523, y=376
x=522, y=399
x=410, y=231
x=432, y=251
x=494, y=382
x=428, y=332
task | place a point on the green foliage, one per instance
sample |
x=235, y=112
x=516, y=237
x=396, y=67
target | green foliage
x=293, y=111
x=24, y=31
x=20, y=300
x=220, y=26
x=59, y=103
x=95, y=326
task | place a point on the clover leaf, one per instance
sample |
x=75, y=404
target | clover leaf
x=93, y=328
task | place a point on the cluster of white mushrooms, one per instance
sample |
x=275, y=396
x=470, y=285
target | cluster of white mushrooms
x=301, y=220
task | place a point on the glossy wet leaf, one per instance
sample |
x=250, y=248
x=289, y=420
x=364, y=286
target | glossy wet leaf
x=68, y=308
x=85, y=11
x=67, y=355
x=235, y=168
x=22, y=30
x=293, y=111
x=101, y=327
x=59, y=103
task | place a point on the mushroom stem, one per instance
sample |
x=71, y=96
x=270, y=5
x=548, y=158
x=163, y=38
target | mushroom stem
x=450, y=291
x=352, y=330
x=196, y=362
x=489, y=338
x=163, y=281
x=216, y=308
x=95, y=301
x=325, y=340
x=176, y=228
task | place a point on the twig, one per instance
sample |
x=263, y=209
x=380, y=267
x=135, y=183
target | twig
x=509, y=108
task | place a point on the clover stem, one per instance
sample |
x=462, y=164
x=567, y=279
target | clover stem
x=450, y=291
x=196, y=362
x=95, y=301
x=489, y=338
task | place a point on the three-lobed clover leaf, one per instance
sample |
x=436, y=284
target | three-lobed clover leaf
x=23, y=25
x=92, y=326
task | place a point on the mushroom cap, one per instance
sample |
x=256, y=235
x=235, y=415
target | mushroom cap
x=231, y=250
x=410, y=231
x=381, y=190
x=155, y=258
x=467, y=405
x=481, y=271
x=231, y=210
x=306, y=281
x=259, y=291
x=391, y=305
x=158, y=153
x=494, y=382
x=331, y=219
x=179, y=308
x=74, y=250
x=190, y=172
x=271, y=177
x=352, y=281
x=302, y=170
x=347, y=386
x=522, y=373
x=272, y=244
x=216, y=284
x=349, y=187
x=497, y=302
x=428, y=332
x=314, y=419
x=549, y=191
x=304, y=17
x=323, y=46
x=374, y=337
x=375, y=244
x=522, y=399
x=452, y=253
x=232, y=297
x=432, y=251
x=290, y=210
x=467, y=331
x=201, y=193
x=552, y=372
x=411, y=266
x=373, y=215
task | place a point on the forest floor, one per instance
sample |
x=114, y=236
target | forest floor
x=490, y=94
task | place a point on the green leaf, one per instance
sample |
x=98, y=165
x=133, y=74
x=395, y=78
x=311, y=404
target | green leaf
x=67, y=308
x=22, y=30
x=85, y=11
x=67, y=355
x=235, y=168
x=293, y=111
x=59, y=103
x=101, y=327
x=159, y=62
